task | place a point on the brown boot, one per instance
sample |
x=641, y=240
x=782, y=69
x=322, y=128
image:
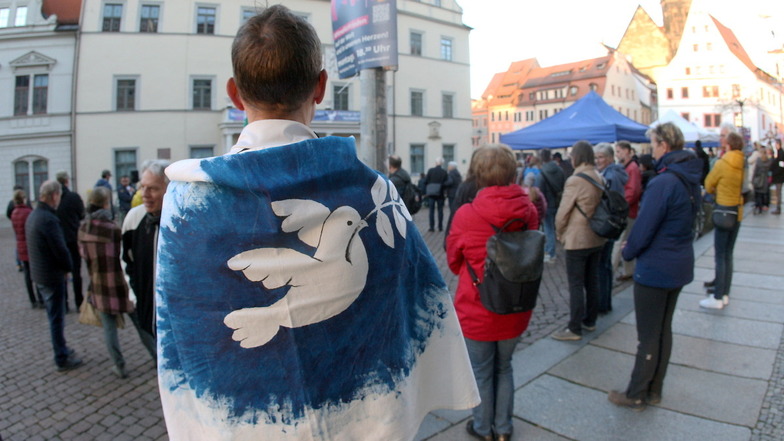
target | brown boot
x=620, y=399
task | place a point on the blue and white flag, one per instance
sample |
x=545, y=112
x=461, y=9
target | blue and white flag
x=296, y=300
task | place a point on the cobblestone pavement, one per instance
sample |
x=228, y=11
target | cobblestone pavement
x=90, y=403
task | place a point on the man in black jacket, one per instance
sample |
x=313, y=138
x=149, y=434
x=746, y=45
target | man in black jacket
x=434, y=189
x=71, y=212
x=551, y=182
x=50, y=261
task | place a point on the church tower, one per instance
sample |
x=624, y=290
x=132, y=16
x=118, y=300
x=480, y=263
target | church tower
x=674, y=13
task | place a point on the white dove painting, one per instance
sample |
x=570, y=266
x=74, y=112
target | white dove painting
x=296, y=301
x=320, y=286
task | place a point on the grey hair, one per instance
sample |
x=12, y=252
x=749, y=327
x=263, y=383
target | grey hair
x=439, y=161
x=452, y=164
x=156, y=167
x=48, y=189
x=730, y=127
x=62, y=176
x=604, y=149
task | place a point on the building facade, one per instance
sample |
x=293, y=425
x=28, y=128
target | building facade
x=162, y=95
x=528, y=93
x=36, y=75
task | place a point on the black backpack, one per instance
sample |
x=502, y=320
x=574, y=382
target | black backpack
x=513, y=270
x=412, y=197
x=609, y=219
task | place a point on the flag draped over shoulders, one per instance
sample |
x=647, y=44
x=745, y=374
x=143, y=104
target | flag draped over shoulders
x=296, y=300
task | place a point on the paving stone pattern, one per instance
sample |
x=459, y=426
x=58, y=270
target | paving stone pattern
x=90, y=403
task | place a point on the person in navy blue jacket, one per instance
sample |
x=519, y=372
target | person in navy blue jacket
x=661, y=241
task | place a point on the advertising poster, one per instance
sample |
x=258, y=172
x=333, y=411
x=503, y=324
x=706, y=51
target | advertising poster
x=365, y=34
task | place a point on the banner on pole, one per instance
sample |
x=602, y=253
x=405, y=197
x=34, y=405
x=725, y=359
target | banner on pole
x=365, y=34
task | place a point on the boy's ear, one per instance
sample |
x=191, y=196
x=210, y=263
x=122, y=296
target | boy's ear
x=234, y=94
x=321, y=87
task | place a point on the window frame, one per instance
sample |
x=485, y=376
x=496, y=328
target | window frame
x=215, y=17
x=451, y=98
x=210, y=95
x=417, y=161
x=126, y=167
x=119, y=20
x=341, y=94
x=201, y=148
x=421, y=102
x=447, y=50
x=411, y=45
x=157, y=19
x=116, y=89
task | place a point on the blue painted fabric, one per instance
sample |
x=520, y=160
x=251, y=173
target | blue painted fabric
x=376, y=367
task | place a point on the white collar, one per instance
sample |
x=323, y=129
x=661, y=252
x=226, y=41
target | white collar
x=257, y=135
x=268, y=133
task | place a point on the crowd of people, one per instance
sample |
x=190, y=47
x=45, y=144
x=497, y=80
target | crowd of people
x=120, y=248
x=55, y=237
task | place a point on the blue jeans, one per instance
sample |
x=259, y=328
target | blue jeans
x=440, y=203
x=54, y=299
x=582, y=272
x=724, y=244
x=109, y=322
x=491, y=362
x=549, y=233
x=606, y=277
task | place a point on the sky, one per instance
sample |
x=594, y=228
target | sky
x=563, y=31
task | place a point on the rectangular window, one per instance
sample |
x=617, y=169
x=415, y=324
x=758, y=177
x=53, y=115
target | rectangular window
x=198, y=152
x=21, y=95
x=696, y=47
x=712, y=119
x=417, y=103
x=126, y=94
x=736, y=90
x=684, y=92
x=669, y=93
x=416, y=43
x=247, y=13
x=202, y=94
x=149, y=18
x=340, y=97
x=124, y=162
x=529, y=115
x=40, y=93
x=447, y=105
x=710, y=91
x=448, y=153
x=112, y=14
x=21, y=16
x=686, y=116
x=446, y=48
x=417, y=153
x=5, y=14
x=688, y=71
x=205, y=20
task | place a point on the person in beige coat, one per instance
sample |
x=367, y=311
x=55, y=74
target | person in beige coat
x=583, y=247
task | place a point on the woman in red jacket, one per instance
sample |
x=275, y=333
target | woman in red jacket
x=490, y=338
x=18, y=219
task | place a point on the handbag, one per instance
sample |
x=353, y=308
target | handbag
x=87, y=313
x=433, y=189
x=725, y=217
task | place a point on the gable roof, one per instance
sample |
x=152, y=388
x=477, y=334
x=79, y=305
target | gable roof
x=737, y=49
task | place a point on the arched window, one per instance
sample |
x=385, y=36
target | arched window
x=30, y=172
x=593, y=86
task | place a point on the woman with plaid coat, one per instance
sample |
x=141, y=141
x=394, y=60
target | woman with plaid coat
x=99, y=245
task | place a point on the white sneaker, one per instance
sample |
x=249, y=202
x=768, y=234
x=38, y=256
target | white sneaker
x=549, y=259
x=726, y=299
x=712, y=303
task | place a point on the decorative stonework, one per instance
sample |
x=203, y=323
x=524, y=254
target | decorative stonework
x=33, y=59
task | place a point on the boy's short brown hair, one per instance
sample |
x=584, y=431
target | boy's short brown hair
x=276, y=57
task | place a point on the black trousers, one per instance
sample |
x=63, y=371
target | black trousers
x=582, y=272
x=76, y=273
x=653, y=308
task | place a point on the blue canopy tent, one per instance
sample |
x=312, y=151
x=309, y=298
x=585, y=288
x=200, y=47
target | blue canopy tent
x=589, y=118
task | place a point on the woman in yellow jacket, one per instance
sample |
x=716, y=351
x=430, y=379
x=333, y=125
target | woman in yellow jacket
x=725, y=181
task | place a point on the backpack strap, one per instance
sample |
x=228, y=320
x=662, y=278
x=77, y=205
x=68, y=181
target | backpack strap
x=592, y=181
